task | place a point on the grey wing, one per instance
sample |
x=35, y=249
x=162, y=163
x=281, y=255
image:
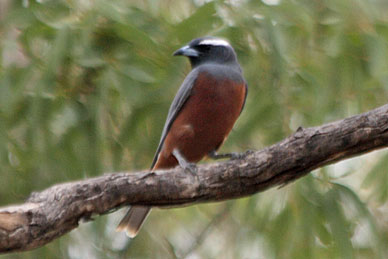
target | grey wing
x=245, y=97
x=179, y=100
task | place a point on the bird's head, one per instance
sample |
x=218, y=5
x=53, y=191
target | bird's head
x=208, y=50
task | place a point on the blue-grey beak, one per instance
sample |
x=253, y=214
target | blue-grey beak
x=186, y=51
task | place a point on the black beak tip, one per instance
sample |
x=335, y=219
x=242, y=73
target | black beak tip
x=186, y=51
x=179, y=52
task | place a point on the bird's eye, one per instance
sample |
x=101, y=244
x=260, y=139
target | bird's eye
x=204, y=48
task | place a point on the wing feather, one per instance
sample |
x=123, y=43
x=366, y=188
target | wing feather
x=181, y=97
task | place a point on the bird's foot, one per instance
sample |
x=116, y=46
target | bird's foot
x=187, y=166
x=190, y=168
x=232, y=156
x=248, y=152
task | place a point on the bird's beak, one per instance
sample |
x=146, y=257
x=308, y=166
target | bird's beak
x=186, y=51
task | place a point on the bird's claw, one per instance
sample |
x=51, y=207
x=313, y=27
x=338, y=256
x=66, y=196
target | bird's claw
x=249, y=152
x=235, y=155
x=190, y=168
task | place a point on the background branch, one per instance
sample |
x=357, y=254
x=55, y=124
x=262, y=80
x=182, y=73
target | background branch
x=55, y=211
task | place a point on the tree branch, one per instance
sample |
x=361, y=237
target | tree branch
x=55, y=211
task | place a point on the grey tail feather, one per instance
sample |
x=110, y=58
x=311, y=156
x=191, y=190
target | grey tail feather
x=133, y=220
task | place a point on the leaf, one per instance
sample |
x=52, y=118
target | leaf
x=377, y=179
x=339, y=226
x=137, y=73
x=200, y=22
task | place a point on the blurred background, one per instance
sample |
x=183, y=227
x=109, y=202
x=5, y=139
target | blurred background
x=85, y=86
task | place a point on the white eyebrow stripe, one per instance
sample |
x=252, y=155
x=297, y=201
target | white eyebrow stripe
x=214, y=42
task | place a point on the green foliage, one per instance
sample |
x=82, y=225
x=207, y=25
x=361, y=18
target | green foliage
x=85, y=87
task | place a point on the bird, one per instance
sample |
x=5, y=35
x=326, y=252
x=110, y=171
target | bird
x=202, y=114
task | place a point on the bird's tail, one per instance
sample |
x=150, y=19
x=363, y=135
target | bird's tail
x=133, y=220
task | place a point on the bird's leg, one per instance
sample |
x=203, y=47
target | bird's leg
x=214, y=155
x=190, y=167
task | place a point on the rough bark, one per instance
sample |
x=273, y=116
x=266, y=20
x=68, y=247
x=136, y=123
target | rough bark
x=55, y=211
